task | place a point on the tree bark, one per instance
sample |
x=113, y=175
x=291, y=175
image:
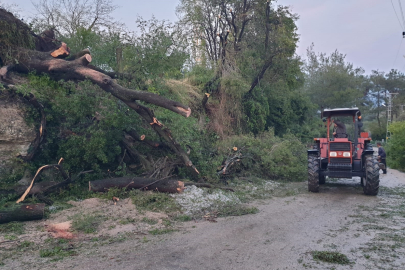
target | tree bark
x=22, y=212
x=163, y=185
x=136, y=156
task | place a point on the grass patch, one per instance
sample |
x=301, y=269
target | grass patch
x=59, y=248
x=26, y=244
x=183, y=218
x=154, y=201
x=12, y=227
x=161, y=231
x=86, y=223
x=127, y=221
x=56, y=251
x=149, y=221
x=330, y=257
x=237, y=210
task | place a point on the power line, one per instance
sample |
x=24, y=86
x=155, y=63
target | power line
x=402, y=12
x=396, y=57
x=396, y=15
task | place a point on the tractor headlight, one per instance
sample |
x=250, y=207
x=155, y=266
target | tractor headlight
x=346, y=154
x=333, y=154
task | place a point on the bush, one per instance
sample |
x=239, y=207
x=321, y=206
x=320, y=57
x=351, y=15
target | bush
x=268, y=156
x=396, y=146
x=378, y=132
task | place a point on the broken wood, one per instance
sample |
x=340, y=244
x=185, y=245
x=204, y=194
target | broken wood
x=40, y=190
x=135, y=155
x=62, y=52
x=142, y=138
x=232, y=159
x=22, y=212
x=162, y=185
x=58, y=166
x=205, y=100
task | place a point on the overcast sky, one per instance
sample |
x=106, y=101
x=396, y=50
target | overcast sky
x=367, y=31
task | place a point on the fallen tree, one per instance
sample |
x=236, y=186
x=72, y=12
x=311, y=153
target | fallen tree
x=50, y=57
x=22, y=212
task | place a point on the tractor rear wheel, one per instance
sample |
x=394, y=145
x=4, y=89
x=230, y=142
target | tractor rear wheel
x=313, y=173
x=371, y=182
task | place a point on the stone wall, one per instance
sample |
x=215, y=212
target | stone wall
x=15, y=135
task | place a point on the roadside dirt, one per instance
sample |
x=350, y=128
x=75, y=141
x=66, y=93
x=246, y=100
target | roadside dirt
x=368, y=230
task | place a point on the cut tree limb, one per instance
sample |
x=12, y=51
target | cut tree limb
x=62, y=52
x=162, y=185
x=22, y=212
x=142, y=138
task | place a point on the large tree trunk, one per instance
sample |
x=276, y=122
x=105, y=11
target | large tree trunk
x=163, y=185
x=22, y=212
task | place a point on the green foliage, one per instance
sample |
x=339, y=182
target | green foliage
x=396, y=146
x=158, y=51
x=267, y=156
x=256, y=113
x=84, y=124
x=330, y=257
x=13, y=35
x=378, y=131
x=200, y=75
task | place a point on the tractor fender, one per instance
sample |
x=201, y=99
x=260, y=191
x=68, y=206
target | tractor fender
x=367, y=152
x=313, y=152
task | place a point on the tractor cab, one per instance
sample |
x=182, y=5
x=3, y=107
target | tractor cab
x=345, y=152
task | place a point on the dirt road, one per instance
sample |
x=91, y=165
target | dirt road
x=368, y=230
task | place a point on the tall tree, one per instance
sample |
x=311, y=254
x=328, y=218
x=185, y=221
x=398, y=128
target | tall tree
x=332, y=82
x=251, y=45
x=68, y=16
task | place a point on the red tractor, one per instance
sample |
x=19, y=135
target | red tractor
x=343, y=156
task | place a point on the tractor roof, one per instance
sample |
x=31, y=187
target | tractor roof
x=341, y=112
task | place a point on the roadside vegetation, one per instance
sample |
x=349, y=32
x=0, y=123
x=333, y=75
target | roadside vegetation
x=255, y=110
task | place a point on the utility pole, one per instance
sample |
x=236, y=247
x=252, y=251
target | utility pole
x=389, y=114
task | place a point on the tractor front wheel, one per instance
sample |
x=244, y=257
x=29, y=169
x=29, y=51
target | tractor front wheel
x=371, y=182
x=322, y=179
x=313, y=173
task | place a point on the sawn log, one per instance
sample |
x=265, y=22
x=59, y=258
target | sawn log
x=22, y=212
x=163, y=185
